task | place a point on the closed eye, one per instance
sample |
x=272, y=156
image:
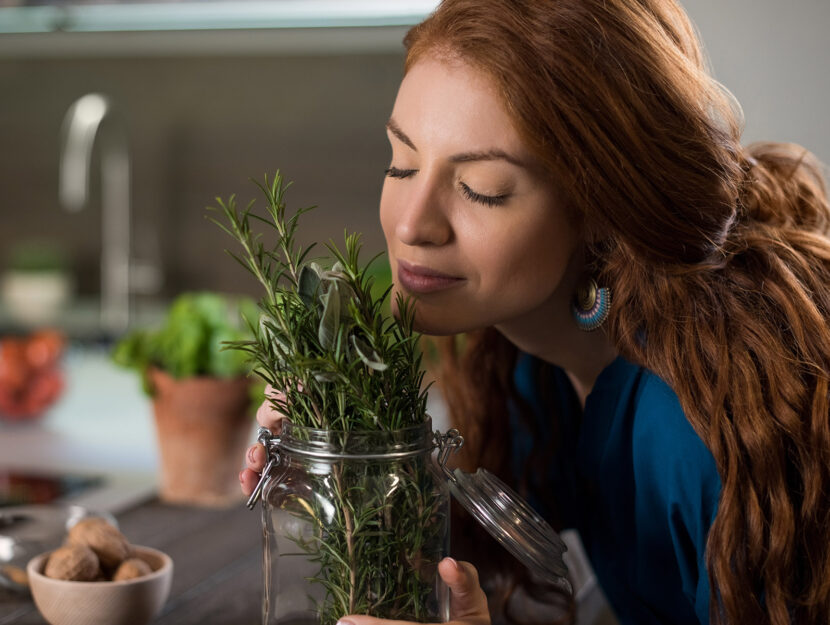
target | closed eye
x=487, y=200
x=394, y=172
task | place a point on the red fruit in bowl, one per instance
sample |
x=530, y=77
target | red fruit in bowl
x=30, y=380
x=43, y=348
x=8, y=402
x=44, y=388
x=14, y=368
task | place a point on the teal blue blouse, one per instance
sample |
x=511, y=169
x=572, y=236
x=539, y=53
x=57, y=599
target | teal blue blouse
x=632, y=476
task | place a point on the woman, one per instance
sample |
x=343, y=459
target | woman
x=639, y=292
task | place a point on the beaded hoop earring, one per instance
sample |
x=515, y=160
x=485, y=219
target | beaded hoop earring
x=590, y=305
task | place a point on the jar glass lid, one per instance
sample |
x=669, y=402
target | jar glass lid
x=500, y=510
x=513, y=523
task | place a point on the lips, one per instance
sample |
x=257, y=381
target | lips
x=421, y=280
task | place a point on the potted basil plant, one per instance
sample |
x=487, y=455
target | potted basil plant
x=201, y=395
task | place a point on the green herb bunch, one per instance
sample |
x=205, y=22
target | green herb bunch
x=347, y=366
x=323, y=338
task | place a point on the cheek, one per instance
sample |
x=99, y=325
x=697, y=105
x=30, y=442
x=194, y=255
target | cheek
x=387, y=224
x=386, y=213
x=390, y=213
x=525, y=262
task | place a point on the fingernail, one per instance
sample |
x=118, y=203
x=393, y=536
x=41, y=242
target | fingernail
x=241, y=473
x=344, y=621
x=453, y=562
x=251, y=453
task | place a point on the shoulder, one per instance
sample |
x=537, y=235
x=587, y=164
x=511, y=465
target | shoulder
x=661, y=430
x=635, y=425
x=669, y=456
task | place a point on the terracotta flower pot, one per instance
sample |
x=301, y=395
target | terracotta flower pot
x=203, y=427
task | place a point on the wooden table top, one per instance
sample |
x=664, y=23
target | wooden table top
x=217, y=559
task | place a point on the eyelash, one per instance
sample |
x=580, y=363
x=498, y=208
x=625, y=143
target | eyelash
x=487, y=200
x=394, y=172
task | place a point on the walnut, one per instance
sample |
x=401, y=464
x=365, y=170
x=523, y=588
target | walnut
x=130, y=569
x=107, y=542
x=72, y=562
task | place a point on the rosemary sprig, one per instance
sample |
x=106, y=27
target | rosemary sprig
x=322, y=337
x=345, y=365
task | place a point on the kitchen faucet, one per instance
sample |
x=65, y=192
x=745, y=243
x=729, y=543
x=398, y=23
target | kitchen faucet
x=80, y=129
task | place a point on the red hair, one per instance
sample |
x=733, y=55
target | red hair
x=717, y=253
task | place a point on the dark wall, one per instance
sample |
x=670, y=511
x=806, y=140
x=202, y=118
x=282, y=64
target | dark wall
x=198, y=128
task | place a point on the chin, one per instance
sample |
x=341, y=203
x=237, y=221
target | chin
x=443, y=322
x=434, y=319
x=428, y=329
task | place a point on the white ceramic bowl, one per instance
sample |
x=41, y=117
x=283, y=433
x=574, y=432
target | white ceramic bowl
x=35, y=297
x=131, y=602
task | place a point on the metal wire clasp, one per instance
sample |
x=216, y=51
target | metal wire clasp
x=448, y=443
x=271, y=442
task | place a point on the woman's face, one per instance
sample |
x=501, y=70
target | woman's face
x=474, y=229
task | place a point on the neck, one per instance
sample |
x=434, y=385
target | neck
x=550, y=333
x=583, y=381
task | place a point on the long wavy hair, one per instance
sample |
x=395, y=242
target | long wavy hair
x=717, y=254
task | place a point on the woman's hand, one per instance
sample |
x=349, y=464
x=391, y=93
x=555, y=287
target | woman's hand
x=256, y=457
x=468, y=605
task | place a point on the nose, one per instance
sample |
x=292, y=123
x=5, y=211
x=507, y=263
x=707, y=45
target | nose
x=423, y=218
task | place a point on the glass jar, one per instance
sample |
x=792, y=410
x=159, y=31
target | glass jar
x=354, y=523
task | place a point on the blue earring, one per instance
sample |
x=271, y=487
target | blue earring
x=590, y=305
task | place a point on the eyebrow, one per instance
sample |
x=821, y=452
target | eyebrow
x=464, y=157
x=393, y=127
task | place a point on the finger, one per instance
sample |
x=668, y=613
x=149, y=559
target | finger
x=268, y=417
x=467, y=602
x=248, y=480
x=467, y=599
x=362, y=619
x=256, y=458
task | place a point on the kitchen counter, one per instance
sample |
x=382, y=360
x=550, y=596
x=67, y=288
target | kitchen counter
x=101, y=427
x=217, y=564
x=217, y=560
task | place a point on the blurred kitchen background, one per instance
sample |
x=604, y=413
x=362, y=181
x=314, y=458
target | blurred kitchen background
x=203, y=109
x=199, y=97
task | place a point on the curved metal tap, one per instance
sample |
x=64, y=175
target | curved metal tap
x=80, y=129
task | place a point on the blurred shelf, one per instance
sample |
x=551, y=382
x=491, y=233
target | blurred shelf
x=209, y=28
x=80, y=319
x=136, y=16
x=209, y=43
